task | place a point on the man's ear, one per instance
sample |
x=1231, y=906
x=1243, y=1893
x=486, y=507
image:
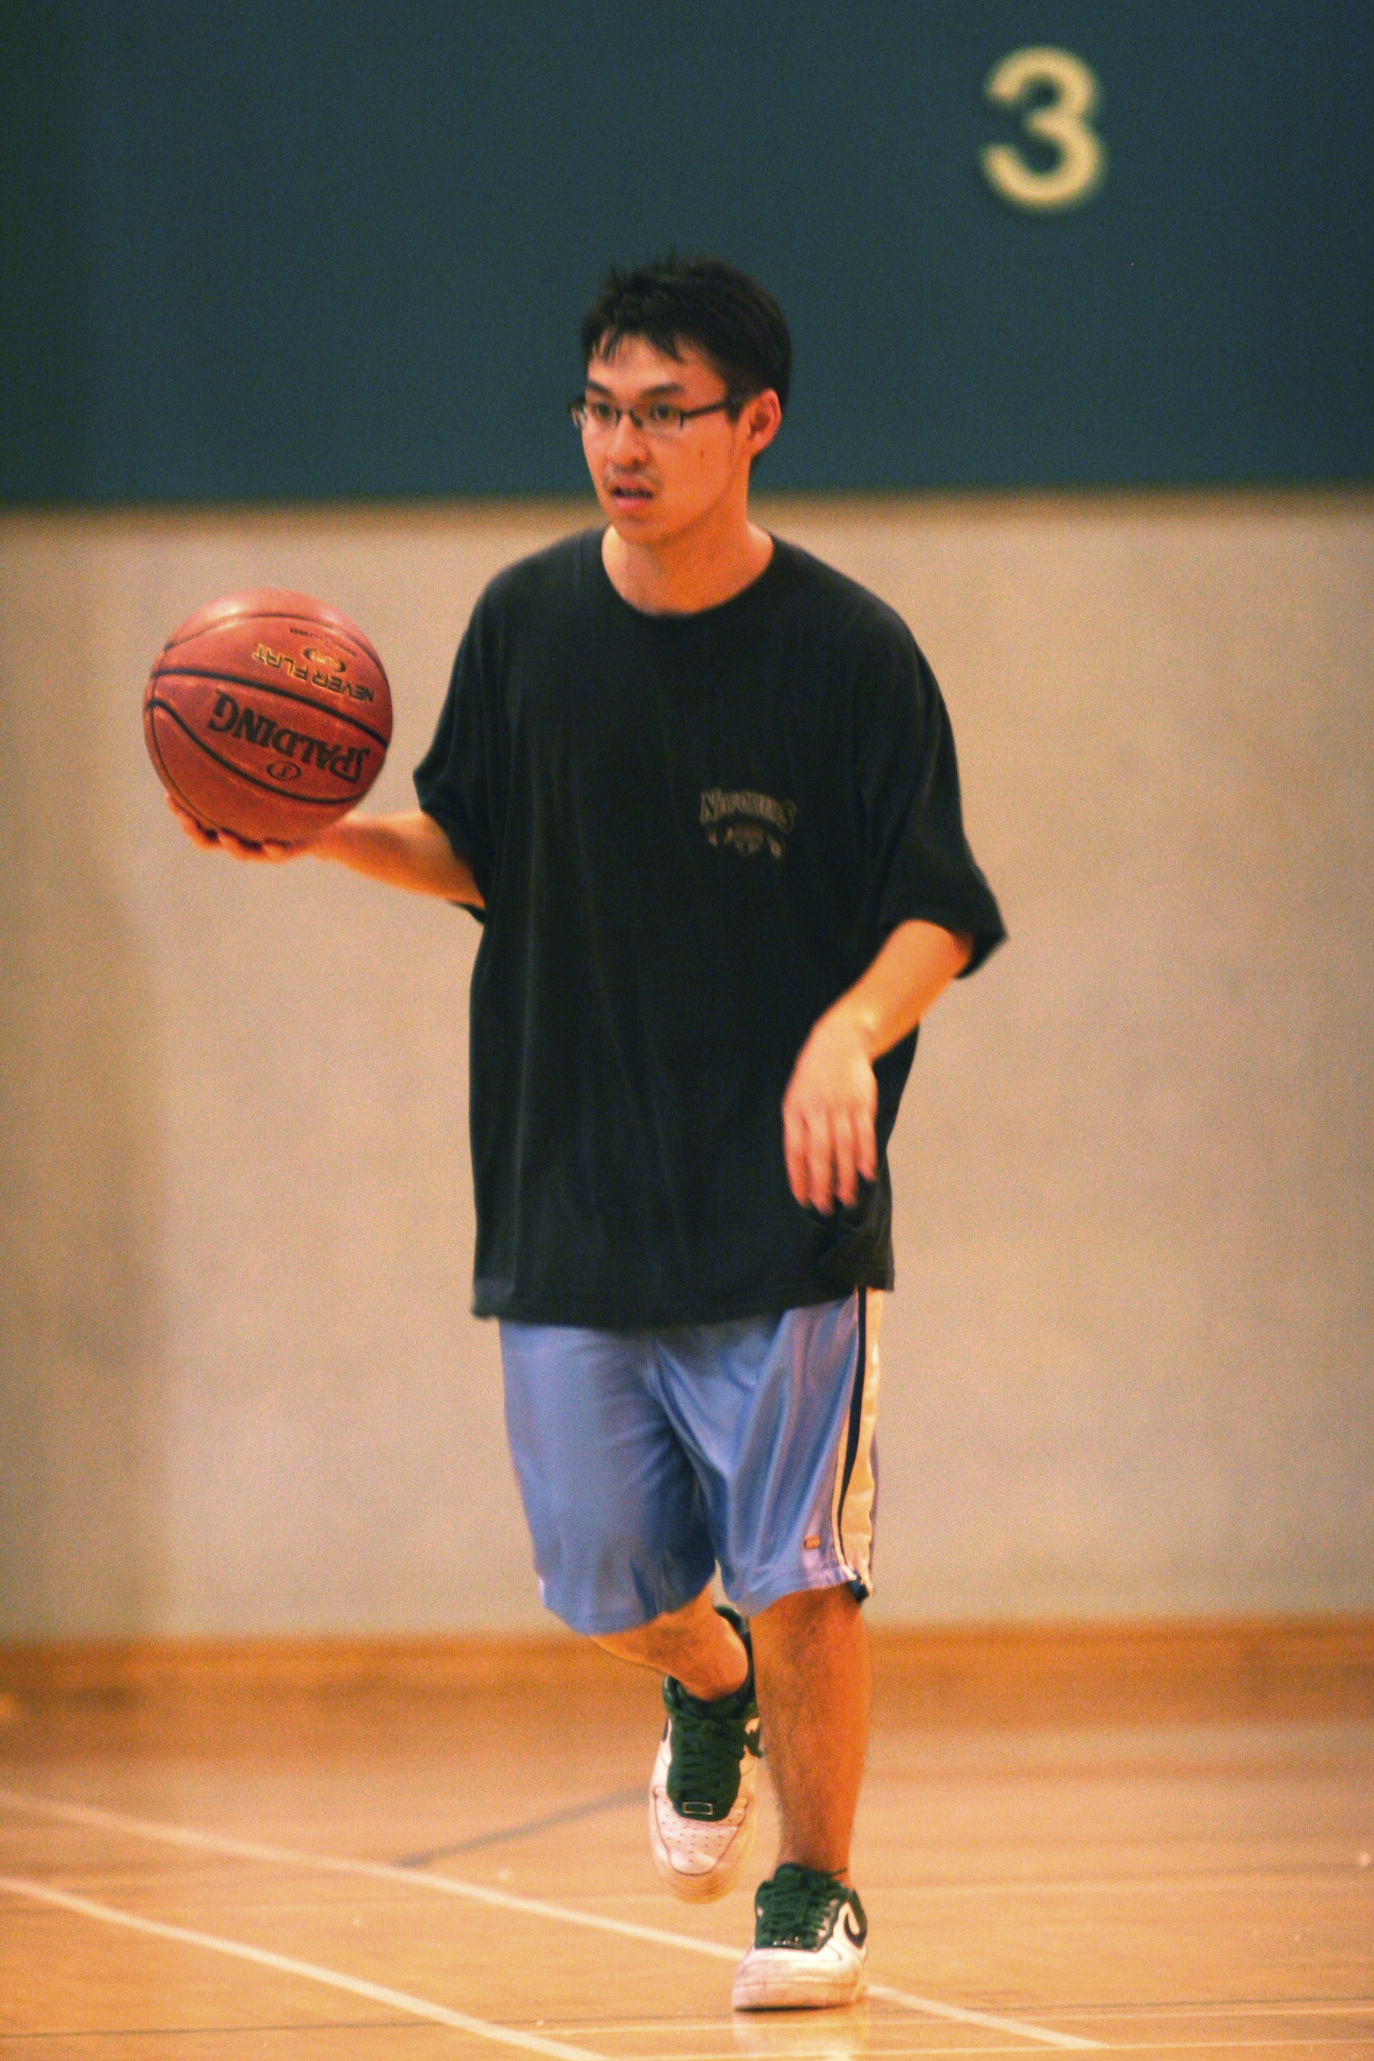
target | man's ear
x=763, y=415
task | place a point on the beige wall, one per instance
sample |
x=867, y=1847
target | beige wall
x=1128, y=1366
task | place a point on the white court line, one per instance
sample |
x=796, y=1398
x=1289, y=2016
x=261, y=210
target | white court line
x=283, y=1964
x=502, y=1900
x=931, y=2009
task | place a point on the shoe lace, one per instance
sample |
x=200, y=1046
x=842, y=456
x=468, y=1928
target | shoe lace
x=795, y=1907
x=707, y=1752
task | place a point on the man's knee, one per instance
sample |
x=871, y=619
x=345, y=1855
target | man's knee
x=810, y=1607
x=638, y=1639
x=695, y=1644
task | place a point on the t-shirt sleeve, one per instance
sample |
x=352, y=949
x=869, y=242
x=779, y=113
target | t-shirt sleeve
x=457, y=782
x=918, y=862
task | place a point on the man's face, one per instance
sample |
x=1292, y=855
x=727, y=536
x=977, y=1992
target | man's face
x=653, y=487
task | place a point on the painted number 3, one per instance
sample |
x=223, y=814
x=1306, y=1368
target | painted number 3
x=1061, y=120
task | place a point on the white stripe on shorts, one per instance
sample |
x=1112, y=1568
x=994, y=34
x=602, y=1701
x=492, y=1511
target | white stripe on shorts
x=851, y=1507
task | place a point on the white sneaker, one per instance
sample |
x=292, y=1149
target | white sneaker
x=810, y=1945
x=702, y=1820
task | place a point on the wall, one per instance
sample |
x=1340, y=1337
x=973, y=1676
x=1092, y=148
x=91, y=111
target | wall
x=1128, y=1364
x=343, y=250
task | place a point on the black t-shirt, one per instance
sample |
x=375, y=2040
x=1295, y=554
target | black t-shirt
x=692, y=833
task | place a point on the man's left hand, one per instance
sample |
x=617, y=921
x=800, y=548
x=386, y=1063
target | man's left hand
x=827, y=1115
x=832, y=1098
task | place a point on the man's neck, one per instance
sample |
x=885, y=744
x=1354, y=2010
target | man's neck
x=688, y=573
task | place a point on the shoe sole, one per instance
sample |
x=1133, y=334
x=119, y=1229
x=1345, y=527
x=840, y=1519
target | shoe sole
x=762, y=1990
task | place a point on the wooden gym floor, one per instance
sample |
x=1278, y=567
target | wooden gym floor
x=1153, y=1841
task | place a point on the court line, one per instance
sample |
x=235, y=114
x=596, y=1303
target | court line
x=495, y=1899
x=618, y=1799
x=930, y=2008
x=1350, y=2007
x=284, y=1964
x=1336, y=1875
x=1303, y=2045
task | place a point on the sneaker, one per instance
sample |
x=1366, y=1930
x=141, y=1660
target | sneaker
x=701, y=1794
x=810, y=1944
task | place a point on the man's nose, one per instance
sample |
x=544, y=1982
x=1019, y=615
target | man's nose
x=627, y=436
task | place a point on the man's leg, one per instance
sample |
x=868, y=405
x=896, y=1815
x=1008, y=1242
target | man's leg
x=702, y=1820
x=811, y=1666
x=812, y=1683
x=812, y=1673
x=814, y=1688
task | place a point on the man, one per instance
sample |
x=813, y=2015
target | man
x=702, y=792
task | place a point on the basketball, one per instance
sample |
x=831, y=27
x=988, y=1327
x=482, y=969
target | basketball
x=267, y=715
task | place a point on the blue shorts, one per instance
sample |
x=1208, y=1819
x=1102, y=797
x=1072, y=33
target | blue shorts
x=647, y=1457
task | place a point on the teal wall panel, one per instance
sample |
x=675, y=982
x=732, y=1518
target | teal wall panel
x=312, y=251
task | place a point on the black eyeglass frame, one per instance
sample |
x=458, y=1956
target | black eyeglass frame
x=578, y=408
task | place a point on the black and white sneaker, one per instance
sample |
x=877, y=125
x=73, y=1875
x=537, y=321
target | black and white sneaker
x=702, y=1820
x=810, y=1944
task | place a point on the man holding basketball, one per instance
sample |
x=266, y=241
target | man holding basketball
x=702, y=792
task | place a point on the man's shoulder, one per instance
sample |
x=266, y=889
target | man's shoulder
x=833, y=602
x=560, y=573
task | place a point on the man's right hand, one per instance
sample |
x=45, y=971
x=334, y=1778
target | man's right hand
x=410, y=851
x=209, y=840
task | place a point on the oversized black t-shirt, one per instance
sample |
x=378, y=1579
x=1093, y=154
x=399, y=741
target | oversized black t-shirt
x=691, y=833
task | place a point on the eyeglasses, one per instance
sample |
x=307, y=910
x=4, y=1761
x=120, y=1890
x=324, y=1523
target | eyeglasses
x=658, y=419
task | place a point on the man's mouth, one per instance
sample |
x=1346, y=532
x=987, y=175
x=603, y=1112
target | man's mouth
x=629, y=493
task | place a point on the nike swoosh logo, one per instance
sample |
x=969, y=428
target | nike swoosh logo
x=855, y=1938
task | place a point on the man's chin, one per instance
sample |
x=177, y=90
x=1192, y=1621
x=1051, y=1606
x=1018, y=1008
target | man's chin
x=635, y=524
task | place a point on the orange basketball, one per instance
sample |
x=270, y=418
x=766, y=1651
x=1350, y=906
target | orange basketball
x=267, y=714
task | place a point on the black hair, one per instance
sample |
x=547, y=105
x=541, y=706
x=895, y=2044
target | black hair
x=675, y=301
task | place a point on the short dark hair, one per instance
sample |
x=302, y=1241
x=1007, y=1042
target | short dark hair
x=675, y=301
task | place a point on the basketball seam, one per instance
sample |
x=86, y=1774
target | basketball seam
x=335, y=715
x=308, y=801
x=355, y=639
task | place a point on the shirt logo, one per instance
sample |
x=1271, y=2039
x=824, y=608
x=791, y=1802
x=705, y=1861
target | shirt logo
x=746, y=822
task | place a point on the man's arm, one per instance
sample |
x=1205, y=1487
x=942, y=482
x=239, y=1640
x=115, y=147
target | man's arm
x=832, y=1098
x=410, y=851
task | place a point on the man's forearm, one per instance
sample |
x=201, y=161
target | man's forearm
x=409, y=851
x=914, y=967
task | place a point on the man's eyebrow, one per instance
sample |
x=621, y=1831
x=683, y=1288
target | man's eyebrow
x=670, y=386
